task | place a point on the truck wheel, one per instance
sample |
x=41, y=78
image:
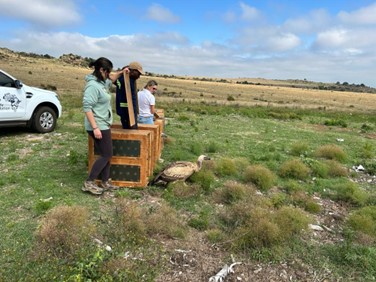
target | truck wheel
x=44, y=120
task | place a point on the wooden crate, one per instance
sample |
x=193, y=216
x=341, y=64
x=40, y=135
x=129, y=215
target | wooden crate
x=157, y=139
x=160, y=113
x=160, y=123
x=131, y=163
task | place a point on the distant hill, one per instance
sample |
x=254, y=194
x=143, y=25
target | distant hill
x=77, y=60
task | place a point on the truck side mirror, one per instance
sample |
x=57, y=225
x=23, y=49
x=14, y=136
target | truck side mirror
x=18, y=84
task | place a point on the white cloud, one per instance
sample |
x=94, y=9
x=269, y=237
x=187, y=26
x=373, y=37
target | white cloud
x=283, y=42
x=362, y=16
x=315, y=21
x=249, y=13
x=332, y=38
x=42, y=13
x=160, y=14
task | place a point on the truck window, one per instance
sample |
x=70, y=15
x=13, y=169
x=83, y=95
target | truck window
x=6, y=81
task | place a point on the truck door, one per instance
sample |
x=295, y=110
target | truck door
x=12, y=98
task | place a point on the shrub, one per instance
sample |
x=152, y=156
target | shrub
x=215, y=235
x=202, y=220
x=292, y=221
x=64, y=231
x=367, y=151
x=259, y=231
x=349, y=192
x=332, y=152
x=292, y=186
x=335, y=122
x=299, y=148
x=205, y=178
x=366, y=127
x=226, y=167
x=278, y=199
x=241, y=164
x=241, y=211
x=212, y=147
x=230, y=98
x=364, y=221
x=294, y=169
x=261, y=176
x=231, y=192
x=165, y=221
x=129, y=221
x=303, y=200
x=319, y=169
x=183, y=191
x=42, y=206
x=335, y=169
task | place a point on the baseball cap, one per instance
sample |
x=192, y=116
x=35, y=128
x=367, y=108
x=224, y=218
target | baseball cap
x=136, y=66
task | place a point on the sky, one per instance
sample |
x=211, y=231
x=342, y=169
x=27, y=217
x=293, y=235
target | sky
x=315, y=40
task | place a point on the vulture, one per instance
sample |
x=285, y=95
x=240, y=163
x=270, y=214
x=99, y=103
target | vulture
x=179, y=170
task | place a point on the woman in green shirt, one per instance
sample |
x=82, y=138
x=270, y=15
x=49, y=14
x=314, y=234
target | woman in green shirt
x=98, y=120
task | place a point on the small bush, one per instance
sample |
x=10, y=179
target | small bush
x=231, y=192
x=241, y=164
x=212, y=147
x=364, y=221
x=226, y=167
x=349, y=192
x=258, y=232
x=215, y=236
x=292, y=221
x=230, y=98
x=367, y=151
x=299, y=149
x=335, y=122
x=164, y=221
x=42, y=206
x=64, y=231
x=292, y=186
x=129, y=221
x=304, y=201
x=332, y=152
x=278, y=199
x=366, y=127
x=335, y=169
x=202, y=220
x=205, y=178
x=319, y=169
x=261, y=176
x=181, y=190
x=294, y=169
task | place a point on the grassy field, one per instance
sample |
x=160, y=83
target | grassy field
x=280, y=194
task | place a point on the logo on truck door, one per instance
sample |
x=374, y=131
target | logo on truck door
x=14, y=101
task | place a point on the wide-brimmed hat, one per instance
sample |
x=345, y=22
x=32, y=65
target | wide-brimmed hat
x=136, y=66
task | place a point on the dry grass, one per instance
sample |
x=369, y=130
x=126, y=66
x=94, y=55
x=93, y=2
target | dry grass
x=64, y=231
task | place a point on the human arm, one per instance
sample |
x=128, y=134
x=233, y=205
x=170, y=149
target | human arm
x=115, y=75
x=90, y=117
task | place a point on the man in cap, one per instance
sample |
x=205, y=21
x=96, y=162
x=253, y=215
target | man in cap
x=135, y=71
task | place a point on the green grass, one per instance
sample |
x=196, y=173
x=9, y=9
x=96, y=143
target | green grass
x=43, y=172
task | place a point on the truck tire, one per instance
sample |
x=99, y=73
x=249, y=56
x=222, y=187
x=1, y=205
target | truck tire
x=44, y=120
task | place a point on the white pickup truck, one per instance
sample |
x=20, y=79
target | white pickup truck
x=20, y=104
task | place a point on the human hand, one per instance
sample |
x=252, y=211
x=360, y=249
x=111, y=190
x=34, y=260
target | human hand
x=97, y=133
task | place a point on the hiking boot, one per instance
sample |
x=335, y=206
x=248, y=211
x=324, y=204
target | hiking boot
x=108, y=186
x=90, y=186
